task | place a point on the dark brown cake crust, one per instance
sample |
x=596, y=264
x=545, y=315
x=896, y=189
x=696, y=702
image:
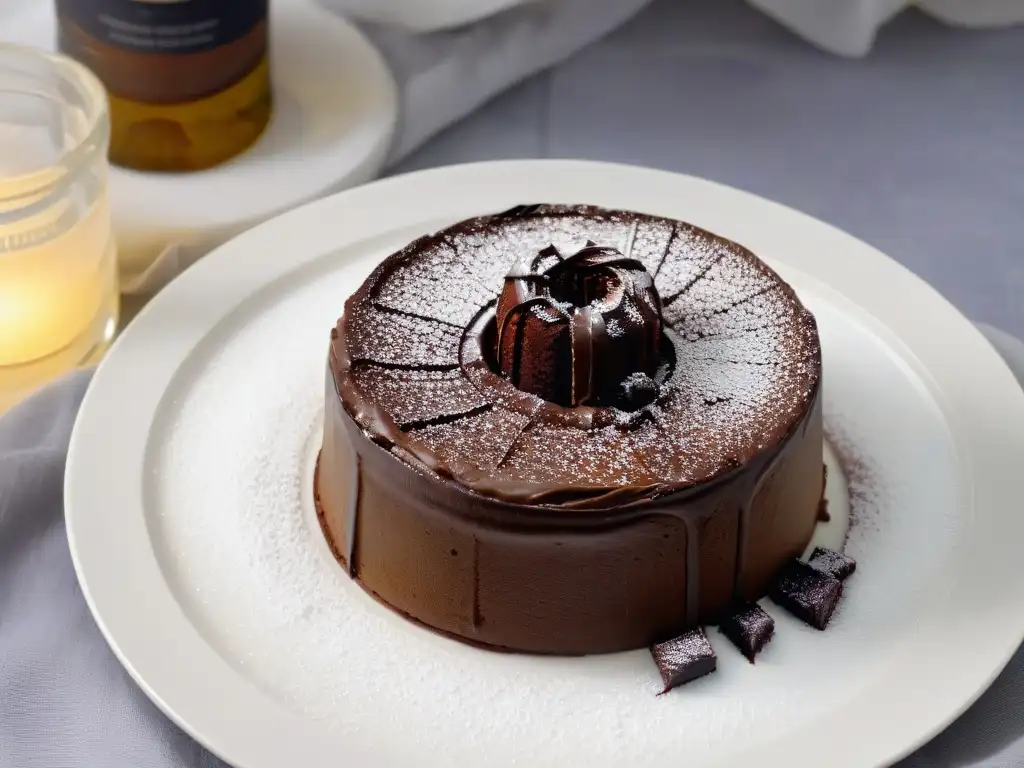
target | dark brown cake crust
x=509, y=521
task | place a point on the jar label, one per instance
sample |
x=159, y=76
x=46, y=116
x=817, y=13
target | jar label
x=164, y=26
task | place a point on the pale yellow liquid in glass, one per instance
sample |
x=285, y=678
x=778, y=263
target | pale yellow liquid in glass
x=58, y=288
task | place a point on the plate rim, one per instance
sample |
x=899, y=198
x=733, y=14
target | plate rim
x=237, y=269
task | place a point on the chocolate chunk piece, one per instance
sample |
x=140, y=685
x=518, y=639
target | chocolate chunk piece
x=636, y=391
x=809, y=594
x=684, y=658
x=750, y=629
x=833, y=563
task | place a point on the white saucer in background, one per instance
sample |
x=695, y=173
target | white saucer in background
x=336, y=107
x=194, y=541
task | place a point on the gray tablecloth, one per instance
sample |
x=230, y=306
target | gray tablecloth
x=915, y=149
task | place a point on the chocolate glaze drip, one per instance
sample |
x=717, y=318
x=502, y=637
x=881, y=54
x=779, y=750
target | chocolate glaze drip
x=743, y=529
x=353, y=516
x=693, y=526
x=478, y=619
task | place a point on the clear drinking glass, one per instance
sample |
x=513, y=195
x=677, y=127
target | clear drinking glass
x=58, y=276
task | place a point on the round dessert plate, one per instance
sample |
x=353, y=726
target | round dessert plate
x=190, y=517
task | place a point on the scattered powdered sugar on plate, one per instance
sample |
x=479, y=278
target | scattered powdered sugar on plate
x=230, y=512
x=865, y=482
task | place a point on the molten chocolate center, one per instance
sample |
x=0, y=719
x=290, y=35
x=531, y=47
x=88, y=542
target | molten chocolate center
x=581, y=330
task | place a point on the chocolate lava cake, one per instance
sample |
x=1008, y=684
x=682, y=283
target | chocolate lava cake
x=570, y=430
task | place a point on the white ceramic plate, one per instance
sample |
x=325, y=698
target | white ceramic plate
x=188, y=512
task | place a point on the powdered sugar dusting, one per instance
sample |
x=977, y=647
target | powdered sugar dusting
x=396, y=339
x=595, y=458
x=416, y=396
x=746, y=350
x=651, y=242
x=757, y=313
x=690, y=255
x=728, y=282
x=865, y=482
x=487, y=436
x=565, y=232
x=770, y=345
x=450, y=278
x=432, y=283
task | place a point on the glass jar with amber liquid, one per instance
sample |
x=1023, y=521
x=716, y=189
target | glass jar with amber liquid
x=188, y=80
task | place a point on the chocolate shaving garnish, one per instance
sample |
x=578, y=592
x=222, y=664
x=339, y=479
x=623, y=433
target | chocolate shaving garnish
x=833, y=563
x=807, y=593
x=684, y=658
x=750, y=629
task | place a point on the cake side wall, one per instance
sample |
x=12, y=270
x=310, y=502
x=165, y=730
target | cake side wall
x=784, y=511
x=563, y=591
